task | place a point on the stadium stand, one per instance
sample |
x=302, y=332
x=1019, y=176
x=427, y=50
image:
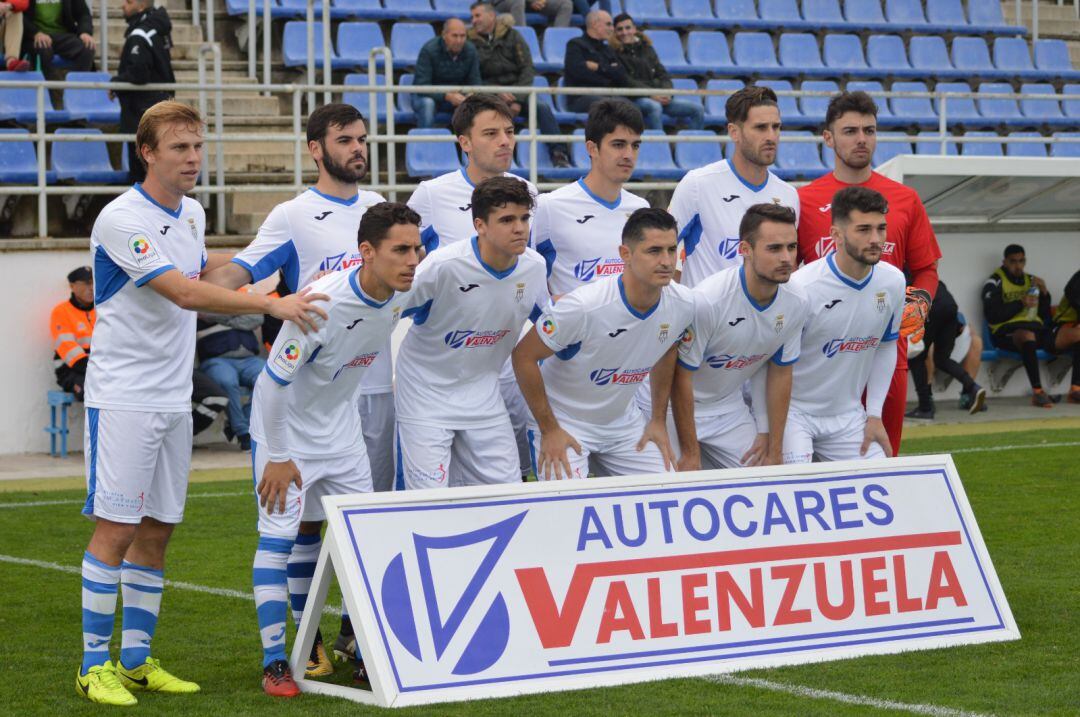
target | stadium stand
x=94, y=106
x=989, y=148
x=1027, y=149
x=84, y=162
x=20, y=105
x=18, y=161
x=430, y=159
x=691, y=155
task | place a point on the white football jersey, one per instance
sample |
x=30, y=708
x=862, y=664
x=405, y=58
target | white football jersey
x=709, y=204
x=445, y=207
x=466, y=320
x=579, y=234
x=144, y=345
x=310, y=234
x=846, y=322
x=323, y=368
x=733, y=337
x=604, y=349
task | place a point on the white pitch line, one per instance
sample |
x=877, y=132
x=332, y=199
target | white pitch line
x=39, y=503
x=992, y=449
x=860, y=700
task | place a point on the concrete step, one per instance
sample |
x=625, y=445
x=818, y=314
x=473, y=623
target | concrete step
x=1054, y=20
x=232, y=77
x=190, y=51
x=245, y=222
x=180, y=33
x=248, y=104
x=259, y=203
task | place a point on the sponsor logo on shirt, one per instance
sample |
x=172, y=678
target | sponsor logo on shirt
x=590, y=269
x=824, y=246
x=141, y=249
x=288, y=357
x=833, y=303
x=731, y=362
x=730, y=198
x=470, y=339
x=888, y=247
x=585, y=218
x=361, y=361
x=338, y=262
x=616, y=332
x=606, y=376
x=324, y=215
x=548, y=327
x=852, y=345
x=687, y=337
x=736, y=321
x=729, y=247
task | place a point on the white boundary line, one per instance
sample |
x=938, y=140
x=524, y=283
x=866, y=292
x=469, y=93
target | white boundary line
x=39, y=503
x=991, y=449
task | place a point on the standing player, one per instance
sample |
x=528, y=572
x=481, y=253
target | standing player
x=304, y=421
x=307, y=237
x=745, y=318
x=597, y=344
x=471, y=301
x=709, y=202
x=851, y=131
x=578, y=228
x=856, y=305
x=148, y=251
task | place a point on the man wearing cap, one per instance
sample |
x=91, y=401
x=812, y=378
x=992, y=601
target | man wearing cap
x=71, y=324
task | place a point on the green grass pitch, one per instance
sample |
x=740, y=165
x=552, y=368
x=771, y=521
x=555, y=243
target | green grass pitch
x=1026, y=500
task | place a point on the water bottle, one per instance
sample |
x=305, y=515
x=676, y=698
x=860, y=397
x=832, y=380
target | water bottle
x=1031, y=313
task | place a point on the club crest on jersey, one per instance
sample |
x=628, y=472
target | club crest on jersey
x=519, y=293
x=470, y=339
x=141, y=249
x=852, y=345
x=589, y=269
x=663, y=332
x=193, y=228
x=606, y=376
x=337, y=262
x=729, y=247
x=395, y=315
x=825, y=245
x=288, y=357
x=778, y=325
x=731, y=362
x=879, y=302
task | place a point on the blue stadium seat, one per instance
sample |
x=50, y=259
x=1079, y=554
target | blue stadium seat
x=783, y=13
x=694, y=13
x=738, y=13
x=430, y=159
x=291, y=8
x=907, y=15
x=824, y=14
x=971, y=56
x=958, y=110
x=647, y=11
x=1057, y=149
x=20, y=104
x=866, y=14
x=828, y=156
x=986, y=16
x=753, y=52
x=933, y=146
x=403, y=112
x=874, y=88
x=362, y=100
x=669, y=49
x=655, y=160
x=415, y=10
x=555, y=39
x=1005, y=111
x=1011, y=54
x=813, y=108
x=705, y=48
x=294, y=45
x=886, y=54
x=887, y=150
x=84, y=162
x=798, y=159
x=686, y=83
x=240, y=7
x=579, y=156
x=799, y=54
x=1052, y=58
x=1046, y=111
x=929, y=56
x=1037, y=149
x=989, y=148
x=714, y=104
x=544, y=167
x=947, y=14
x=406, y=39
x=454, y=8
x=539, y=64
x=94, y=106
x=913, y=110
x=562, y=109
x=355, y=40
x=18, y=161
x=359, y=9
x=844, y=53
x=549, y=100
x=790, y=113
x=1071, y=108
x=691, y=155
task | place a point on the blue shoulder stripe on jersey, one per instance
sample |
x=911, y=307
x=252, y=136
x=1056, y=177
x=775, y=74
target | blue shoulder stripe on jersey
x=690, y=236
x=430, y=239
x=205, y=259
x=535, y=313
x=336, y=200
x=475, y=241
x=248, y=267
x=109, y=278
x=399, y=469
x=283, y=257
x=634, y=312
x=778, y=358
x=354, y=282
x=745, y=183
x=547, y=250
x=466, y=176
x=569, y=352
x=420, y=313
x=830, y=259
x=890, y=334
x=91, y=488
x=686, y=366
x=174, y=213
x=147, y=278
x=746, y=291
x=271, y=374
x=602, y=202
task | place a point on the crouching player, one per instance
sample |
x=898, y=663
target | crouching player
x=304, y=421
x=606, y=337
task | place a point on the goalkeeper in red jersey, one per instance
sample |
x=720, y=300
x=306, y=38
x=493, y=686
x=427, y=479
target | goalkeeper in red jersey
x=851, y=131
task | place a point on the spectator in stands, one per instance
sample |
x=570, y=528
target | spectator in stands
x=1065, y=331
x=645, y=70
x=449, y=59
x=228, y=352
x=60, y=27
x=558, y=11
x=71, y=324
x=505, y=59
x=941, y=331
x=11, y=29
x=1017, y=308
x=590, y=61
x=144, y=59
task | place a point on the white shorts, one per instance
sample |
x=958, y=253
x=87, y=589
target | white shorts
x=430, y=457
x=726, y=438
x=617, y=456
x=377, y=424
x=137, y=465
x=519, y=414
x=320, y=477
x=827, y=438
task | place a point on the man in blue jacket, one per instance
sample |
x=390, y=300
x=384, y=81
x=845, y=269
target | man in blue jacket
x=449, y=59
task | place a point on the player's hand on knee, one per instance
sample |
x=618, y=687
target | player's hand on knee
x=689, y=461
x=553, y=460
x=875, y=433
x=758, y=451
x=300, y=309
x=273, y=489
x=656, y=432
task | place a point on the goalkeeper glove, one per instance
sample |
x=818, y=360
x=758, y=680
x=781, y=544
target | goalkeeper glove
x=916, y=309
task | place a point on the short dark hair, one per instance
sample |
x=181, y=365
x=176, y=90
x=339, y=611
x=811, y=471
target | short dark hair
x=622, y=17
x=738, y=106
x=482, y=3
x=466, y=112
x=858, y=102
x=335, y=114
x=608, y=114
x=377, y=221
x=851, y=199
x=758, y=214
x=497, y=192
x=1014, y=249
x=646, y=218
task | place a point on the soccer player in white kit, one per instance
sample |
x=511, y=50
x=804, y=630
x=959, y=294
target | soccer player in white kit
x=304, y=422
x=597, y=344
x=469, y=303
x=747, y=326
x=305, y=238
x=148, y=251
x=709, y=202
x=856, y=306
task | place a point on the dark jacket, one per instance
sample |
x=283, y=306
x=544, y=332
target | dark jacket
x=228, y=336
x=582, y=49
x=643, y=66
x=505, y=58
x=74, y=14
x=144, y=59
x=435, y=66
x=1002, y=297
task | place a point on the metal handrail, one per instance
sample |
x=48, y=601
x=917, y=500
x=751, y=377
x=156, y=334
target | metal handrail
x=219, y=124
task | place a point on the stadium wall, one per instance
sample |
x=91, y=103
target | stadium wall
x=34, y=281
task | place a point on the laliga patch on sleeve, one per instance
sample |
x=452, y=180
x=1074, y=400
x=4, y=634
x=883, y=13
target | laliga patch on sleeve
x=142, y=251
x=547, y=325
x=288, y=357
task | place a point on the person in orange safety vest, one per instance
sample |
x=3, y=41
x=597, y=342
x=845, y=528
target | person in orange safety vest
x=71, y=324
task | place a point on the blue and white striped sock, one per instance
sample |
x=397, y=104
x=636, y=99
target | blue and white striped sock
x=271, y=591
x=141, y=587
x=99, y=584
x=302, y=560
